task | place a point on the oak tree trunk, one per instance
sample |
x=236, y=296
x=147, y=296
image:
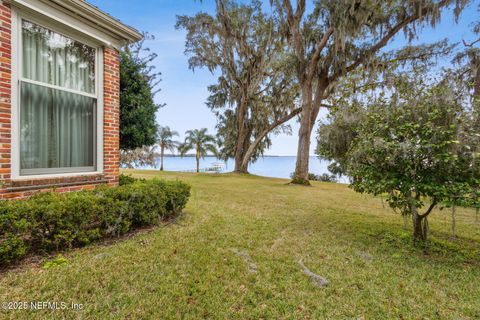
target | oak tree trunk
x=476, y=85
x=162, y=150
x=304, y=134
x=311, y=102
x=241, y=138
x=242, y=166
x=238, y=163
x=248, y=155
x=303, y=153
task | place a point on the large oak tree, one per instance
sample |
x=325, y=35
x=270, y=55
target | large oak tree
x=255, y=93
x=335, y=37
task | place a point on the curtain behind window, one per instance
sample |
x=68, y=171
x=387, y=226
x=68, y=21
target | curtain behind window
x=54, y=59
x=57, y=127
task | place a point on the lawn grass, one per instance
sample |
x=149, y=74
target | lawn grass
x=235, y=254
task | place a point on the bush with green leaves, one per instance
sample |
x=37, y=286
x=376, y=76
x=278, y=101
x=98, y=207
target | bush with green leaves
x=420, y=147
x=324, y=177
x=138, y=86
x=49, y=222
x=124, y=179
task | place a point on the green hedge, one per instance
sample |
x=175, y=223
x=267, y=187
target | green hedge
x=51, y=221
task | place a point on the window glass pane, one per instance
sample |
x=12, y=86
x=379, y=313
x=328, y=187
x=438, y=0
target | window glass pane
x=55, y=59
x=57, y=128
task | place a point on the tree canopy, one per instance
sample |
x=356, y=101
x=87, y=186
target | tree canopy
x=468, y=63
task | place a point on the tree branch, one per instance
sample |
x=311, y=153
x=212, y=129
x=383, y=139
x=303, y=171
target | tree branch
x=300, y=9
x=390, y=34
x=262, y=135
x=471, y=44
x=429, y=210
x=293, y=21
x=318, y=51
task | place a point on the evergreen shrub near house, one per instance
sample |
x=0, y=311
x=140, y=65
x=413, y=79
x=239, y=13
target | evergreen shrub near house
x=50, y=221
x=124, y=179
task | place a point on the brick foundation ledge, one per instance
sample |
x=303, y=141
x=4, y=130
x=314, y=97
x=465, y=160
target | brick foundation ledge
x=54, y=186
x=25, y=188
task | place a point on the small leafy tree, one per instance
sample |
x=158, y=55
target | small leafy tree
x=419, y=146
x=165, y=141
x=138, y=86
x=201, y=142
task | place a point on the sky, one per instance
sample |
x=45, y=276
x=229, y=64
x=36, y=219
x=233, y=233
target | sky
x=184, y=92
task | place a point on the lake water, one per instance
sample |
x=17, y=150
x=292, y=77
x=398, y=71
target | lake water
x=276, y=167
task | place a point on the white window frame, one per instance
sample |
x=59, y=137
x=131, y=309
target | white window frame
x=58, y=27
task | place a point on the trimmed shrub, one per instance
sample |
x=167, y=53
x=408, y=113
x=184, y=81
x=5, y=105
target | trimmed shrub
x=14, y=227
x=50, y=221
x=124, y=179
x=146, y=201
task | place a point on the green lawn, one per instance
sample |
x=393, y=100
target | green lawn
x=235, y=254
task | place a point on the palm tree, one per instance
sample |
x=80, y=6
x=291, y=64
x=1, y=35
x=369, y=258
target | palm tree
x=199, y=141
x=165, y=141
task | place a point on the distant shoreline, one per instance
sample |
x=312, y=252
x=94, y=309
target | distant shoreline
x=193, y=155
x=274, y=166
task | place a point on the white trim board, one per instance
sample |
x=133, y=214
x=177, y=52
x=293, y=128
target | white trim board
x=63, y=19
x=51, y=86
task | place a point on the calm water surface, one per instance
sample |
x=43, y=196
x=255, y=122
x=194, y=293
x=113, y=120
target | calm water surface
x=277, y=167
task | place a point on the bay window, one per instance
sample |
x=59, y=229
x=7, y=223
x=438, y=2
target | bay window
x=58, y=101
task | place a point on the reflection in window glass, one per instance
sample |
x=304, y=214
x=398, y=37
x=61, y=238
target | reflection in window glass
x=54, y=59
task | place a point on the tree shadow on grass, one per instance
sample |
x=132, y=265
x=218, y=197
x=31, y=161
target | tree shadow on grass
x=364, y=231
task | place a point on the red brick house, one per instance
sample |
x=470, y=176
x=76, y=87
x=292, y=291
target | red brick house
x=59, y=96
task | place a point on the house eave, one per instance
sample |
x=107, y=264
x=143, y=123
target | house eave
x=95, y=17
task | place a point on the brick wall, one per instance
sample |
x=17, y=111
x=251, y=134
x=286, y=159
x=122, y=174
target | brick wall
x=5, y=94
x=111, y=120
x=10, y=189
